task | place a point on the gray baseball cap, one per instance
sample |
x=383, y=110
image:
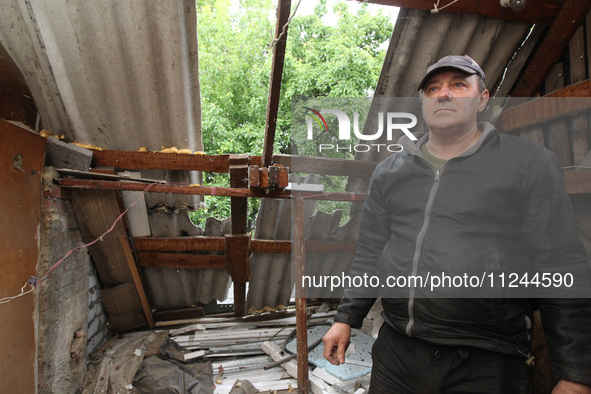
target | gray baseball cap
x=464, y=63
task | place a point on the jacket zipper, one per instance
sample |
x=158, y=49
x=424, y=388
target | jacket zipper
x=417, y=254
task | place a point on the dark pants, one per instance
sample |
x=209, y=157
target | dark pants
x=407, y=365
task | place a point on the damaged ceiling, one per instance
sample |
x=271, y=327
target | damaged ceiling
x=124, y=75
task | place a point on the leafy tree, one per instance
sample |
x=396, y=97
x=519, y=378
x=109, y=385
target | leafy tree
x=235, y=53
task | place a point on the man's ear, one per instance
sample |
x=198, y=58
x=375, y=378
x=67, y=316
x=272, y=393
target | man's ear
x=483, y=100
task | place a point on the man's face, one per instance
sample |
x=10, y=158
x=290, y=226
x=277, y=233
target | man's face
x=452, y=101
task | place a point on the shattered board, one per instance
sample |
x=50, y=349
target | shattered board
x=360, y=342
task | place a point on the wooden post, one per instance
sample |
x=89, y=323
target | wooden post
x=283, y=9
x=299, y=256
x=137, y=281
x=239, y=207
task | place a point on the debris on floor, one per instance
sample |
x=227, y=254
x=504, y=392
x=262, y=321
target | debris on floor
x=225, y=356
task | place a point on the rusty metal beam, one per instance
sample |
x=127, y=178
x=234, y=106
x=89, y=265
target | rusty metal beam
x=569, y=19
x=539, y=12
x=280, y=41
x=207, y=191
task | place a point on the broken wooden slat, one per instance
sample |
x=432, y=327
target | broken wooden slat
x=130, y=160
x=137, y=281
x=181, y=260
x=316, y=385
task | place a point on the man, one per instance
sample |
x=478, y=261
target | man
x=464, y=198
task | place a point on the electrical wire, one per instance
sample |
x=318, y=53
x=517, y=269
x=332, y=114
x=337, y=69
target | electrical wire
x=34, y=281
x=287, y=24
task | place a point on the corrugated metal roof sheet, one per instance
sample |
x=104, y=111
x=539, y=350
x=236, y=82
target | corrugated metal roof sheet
x=117, y=74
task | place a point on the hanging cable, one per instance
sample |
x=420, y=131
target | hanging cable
x=436, y=8
x=287, y=24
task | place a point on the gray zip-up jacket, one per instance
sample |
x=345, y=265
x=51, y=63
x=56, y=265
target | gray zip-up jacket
x=499, y=208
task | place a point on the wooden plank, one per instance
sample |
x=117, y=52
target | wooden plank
x=143, y=245
x=210, y=191
x=280, y=41
x=536, y=12
x=130, y=160
x=581, y=89
x=237, y=246
x=137, y=280
x=576, y=55
x=558, y=142
x=578, y=182
x=541, y=110
x=238, y=256
x=299, y=250
x=580, y=130
x=569, y=19
x=181, y=260
x=270, y=246
x=327, y=166
x=97, y=211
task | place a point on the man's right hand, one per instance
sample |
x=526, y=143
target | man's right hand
x=336, y=342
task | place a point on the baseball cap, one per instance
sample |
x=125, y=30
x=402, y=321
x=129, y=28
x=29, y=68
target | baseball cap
x=463, y=62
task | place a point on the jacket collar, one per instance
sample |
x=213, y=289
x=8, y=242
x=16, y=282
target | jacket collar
x=414, y=147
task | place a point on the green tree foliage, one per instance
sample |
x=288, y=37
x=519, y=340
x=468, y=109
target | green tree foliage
x=235, y=53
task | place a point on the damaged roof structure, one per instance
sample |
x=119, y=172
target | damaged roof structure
x=115, y=76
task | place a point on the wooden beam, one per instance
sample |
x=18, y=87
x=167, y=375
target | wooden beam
x=299, y=250
x=181, y=260
x=580, y=89
x=180, y=244
x=208, y=191
x=569, y=19
x=538, y=12
x=283, y=10
x=130, y=160
x=270, y=246
x=541, y=110
x=237, y=248
x=139, y=287
x=219, y=244
x=327, y=166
